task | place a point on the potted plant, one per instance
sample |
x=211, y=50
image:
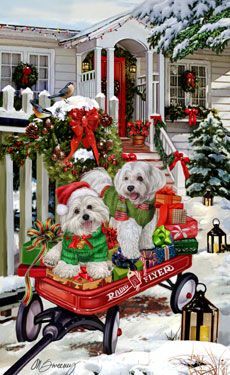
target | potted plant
x=139, y=130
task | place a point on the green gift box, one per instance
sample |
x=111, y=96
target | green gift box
x=120, y=273
x=28, y=256
x=186, y=246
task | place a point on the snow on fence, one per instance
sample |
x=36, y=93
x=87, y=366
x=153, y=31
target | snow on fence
x=9, y=113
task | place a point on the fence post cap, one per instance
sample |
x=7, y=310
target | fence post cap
x=27, y=91
x=8, y=88
x=44, y=93
x=114, y=98
x=100, y=95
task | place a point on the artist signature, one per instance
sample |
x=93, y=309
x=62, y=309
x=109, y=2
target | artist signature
x=41, y=366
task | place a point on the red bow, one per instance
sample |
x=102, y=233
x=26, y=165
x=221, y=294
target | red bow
x=156, y=119
x=129, y=157
x=166, y=190
x=179, y=156
x=82, y=274
x=78, y=242
x=192, y=113
x=84, y=123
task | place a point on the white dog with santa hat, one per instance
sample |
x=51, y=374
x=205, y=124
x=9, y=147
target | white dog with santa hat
x=82, y=214
x=131, y=202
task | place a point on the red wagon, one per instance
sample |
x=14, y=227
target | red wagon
x=77, y=308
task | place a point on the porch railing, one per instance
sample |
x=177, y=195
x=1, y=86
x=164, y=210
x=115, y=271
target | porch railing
x=87, y=84
x=176, y=173
x=9, y=114
x=140, y=104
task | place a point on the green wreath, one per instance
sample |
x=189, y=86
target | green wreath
x=188, y=81
x=25, y=75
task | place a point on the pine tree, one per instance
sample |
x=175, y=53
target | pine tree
x=210, y=164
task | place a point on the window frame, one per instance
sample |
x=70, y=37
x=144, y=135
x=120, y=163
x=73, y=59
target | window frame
x=188, y=63
x=25, y=55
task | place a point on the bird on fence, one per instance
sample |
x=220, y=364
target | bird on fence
x=64, y=93
x=39, y=111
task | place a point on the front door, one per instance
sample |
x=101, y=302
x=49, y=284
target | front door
x=119, y=88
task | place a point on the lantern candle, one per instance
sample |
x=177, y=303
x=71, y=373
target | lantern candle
x=193, y=333
x=204, y=333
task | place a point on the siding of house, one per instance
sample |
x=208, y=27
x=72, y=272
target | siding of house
x=64, y=62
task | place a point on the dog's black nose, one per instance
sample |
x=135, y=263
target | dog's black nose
x=130, y=188
x=85, y=217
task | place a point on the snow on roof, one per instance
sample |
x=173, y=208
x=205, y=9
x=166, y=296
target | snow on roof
x=100, y=27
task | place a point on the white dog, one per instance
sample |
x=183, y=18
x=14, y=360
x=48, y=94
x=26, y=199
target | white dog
x=82, y=217
x=131, y=202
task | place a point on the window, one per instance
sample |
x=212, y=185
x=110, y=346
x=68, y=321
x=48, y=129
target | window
x=10, y=57
x=179, y=96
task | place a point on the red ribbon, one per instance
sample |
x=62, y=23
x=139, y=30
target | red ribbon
x=179, y=156
x=83, y=123
x=164, y=211
x=129, y=157
x=166, y=190
x=192, y=113
x=77, y=239
x=82, y=274
x=156, y=119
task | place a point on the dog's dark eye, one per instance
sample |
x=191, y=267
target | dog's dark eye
x=126, y=178
x=139, y=178
x=89, y=207
x=76, y=211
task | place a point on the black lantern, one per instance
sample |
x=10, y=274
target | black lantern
x=85, y=66
x=200, y=319
x=216, y=238
x=132, y=68
x=208, y=198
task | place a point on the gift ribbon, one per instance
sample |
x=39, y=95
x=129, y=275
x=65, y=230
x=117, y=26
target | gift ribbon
x=179, y=156
x=177, y=231
x=129, y=157
x=40, y=234
x=80, y=240
x=82, y=274
x=161, y=236
x=166, y=190
x=192, y=113
x=84, y=123
x=164, y=211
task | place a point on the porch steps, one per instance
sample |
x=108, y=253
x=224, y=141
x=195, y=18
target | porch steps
x=144, y=154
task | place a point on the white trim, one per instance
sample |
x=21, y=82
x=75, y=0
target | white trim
x=26, y=51
x=188, y=62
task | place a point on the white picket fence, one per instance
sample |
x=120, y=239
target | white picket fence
x=7, y=245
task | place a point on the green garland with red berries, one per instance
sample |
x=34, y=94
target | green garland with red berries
x=52, y=138
x=25, y=75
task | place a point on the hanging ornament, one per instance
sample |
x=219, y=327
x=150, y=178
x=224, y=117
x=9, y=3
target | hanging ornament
x=101, y=145
x=106, y=120
x=188, y=81
x=32, y=131
x=109, y=145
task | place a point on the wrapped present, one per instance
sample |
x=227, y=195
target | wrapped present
x=186, y=246
x=148, y=258
x=176, y=214
x=111, y=252
x=28, y=256
x=120, y=273
x=164, y=253
x=187, y=230
x=167, y=195
x=121, y=261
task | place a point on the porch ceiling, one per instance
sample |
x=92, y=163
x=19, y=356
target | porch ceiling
x=136, y=48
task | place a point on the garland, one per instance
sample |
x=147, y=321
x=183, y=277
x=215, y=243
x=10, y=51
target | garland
x=175, y=112
x=25, y=75
x=104, y=87
x=55, y=138
x=166, y=159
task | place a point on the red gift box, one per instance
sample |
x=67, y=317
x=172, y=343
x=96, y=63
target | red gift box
x=181, y=231
x=167, y=195
x=170, y=213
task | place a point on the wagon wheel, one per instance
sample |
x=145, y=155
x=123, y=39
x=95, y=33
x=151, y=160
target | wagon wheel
x=26, y=329
x=183, y=291
x=112, y=330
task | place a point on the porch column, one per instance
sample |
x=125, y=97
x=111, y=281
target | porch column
x=97, y=67
x=149, y=84
x=78, y=77
x=161, y=69
x=110, y=74
x=137, y=97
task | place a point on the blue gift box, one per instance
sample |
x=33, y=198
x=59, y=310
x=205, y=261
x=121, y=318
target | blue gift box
x=164, y=253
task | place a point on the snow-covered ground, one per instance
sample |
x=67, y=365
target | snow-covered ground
x=143, y=346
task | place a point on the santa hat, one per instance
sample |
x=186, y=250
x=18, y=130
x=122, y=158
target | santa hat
x=67, y=194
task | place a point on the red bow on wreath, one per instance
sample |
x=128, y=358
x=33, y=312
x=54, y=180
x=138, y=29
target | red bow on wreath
x=179, y=156
x=25, y=74
x=84, y=123
x=156, y=119
x=192, y=113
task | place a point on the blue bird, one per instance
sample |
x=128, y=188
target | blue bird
x=64, y=93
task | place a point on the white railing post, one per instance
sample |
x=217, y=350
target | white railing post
x=179, y=179
x=113, y=108
x=100, y=98
x=42, y=189
x=27, y=95
x=25, y=200
x=8, y=98
x=9, y=215
x=161, y=62
x=44, y=100
x=97, y=64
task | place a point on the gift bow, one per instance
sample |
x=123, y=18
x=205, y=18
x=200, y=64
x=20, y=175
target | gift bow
x=164, y=211
x=166, y=190
x=179, y=156
x=84, y=123
x=40, y=234
x=129, y=157
x=161, y=236
x=177, y=231
x=82, y=274
x=78, y=242
x=156, y=119
x=192, y=113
